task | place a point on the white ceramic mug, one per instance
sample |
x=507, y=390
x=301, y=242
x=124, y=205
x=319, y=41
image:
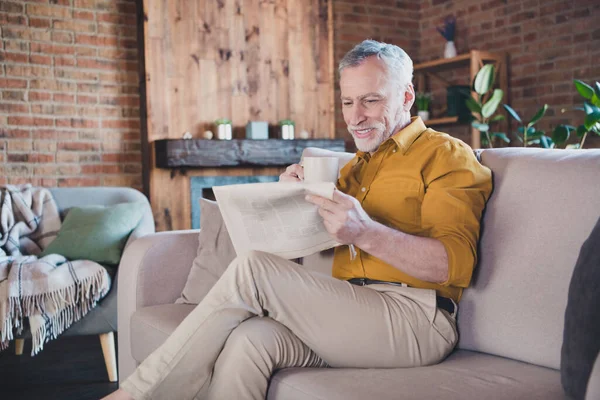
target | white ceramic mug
x=320, y=169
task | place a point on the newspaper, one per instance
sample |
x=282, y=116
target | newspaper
x=275, y=217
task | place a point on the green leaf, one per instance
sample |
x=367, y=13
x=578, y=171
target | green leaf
x=597, y=89
x=546, y=142
x=512, y=113
x=530, y=130
x=595, y=100
x=584, y=89
x=535, y=135
x=501, y=136
x=534, y=141
x=591, y=119
x=561, y=134
x=480, y=126
x=581, y=130
x=490, y=107
x=573, y=146
x=484, y=79
x=497, y=118
x=590, y=108
x=473, y=105
x=538, y=115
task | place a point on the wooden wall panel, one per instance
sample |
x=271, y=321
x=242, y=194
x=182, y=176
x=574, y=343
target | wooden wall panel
x=261, y=60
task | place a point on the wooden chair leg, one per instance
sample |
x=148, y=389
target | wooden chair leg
x=19, y=343
x=107, y=340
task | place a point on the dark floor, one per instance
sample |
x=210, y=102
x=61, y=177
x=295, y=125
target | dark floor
x=67, y=368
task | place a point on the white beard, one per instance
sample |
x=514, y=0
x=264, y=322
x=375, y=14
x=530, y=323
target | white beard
x=373, y=141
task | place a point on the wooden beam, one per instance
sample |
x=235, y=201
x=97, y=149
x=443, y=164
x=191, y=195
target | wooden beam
x=200, y=153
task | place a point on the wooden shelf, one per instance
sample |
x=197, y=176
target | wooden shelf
x=441, y=121
x=461, y=59
x=474, y=60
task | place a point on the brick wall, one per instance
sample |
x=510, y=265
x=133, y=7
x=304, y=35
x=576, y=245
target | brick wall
x=69, y=108
x=549, y=42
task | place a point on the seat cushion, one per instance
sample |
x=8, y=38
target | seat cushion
x=464, y=375
x=150, y=327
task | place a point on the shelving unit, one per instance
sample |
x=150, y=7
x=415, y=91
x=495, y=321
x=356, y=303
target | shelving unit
x=475, y=60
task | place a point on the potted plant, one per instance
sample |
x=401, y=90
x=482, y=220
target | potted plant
x=423, y=101
x=484, y=106
x=591, y=124
x=224, y=131
x=527, y=133
x=448, y=32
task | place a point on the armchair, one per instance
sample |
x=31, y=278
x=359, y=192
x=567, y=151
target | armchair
x=102, y=320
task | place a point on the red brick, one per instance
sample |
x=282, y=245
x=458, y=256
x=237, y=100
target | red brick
x=33, y=121
x=12, y=7
x=79, y=146
x=14, y=133
x=124, y=123
x=48, y=11
x=14, y=108
x=40, y=22
x=40, y=59
x=83, y=15
x=76, y=182
x=14, y=57
x=63, y=98
x=13, y=83
x=39, y=96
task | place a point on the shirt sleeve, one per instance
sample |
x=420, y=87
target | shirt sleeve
x=457, y=187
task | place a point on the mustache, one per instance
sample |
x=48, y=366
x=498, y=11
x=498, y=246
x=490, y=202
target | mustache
x=360, y=128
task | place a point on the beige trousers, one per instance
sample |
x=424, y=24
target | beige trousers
x=267, y=313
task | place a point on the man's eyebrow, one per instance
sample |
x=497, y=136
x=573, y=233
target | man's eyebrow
x=371, y=94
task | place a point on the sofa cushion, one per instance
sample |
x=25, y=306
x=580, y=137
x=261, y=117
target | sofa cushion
x=544, y=205
x=582, y=319
x=215, y=253
x=464, y=375
x=96, y=233
x=150, y=327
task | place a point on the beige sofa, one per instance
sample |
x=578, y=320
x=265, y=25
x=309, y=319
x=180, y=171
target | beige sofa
x=544, y=205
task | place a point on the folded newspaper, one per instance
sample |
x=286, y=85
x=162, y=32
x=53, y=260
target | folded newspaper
x=275, y=217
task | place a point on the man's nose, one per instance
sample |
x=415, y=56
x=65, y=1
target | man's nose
x=357, y=115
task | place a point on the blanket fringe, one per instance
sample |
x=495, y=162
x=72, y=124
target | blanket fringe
x=74, y=302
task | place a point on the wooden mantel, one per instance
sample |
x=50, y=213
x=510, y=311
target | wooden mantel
x=199, y=153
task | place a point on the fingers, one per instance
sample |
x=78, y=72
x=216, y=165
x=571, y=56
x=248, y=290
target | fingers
x=293, y=173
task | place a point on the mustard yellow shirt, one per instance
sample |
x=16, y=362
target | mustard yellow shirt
x=423, y=183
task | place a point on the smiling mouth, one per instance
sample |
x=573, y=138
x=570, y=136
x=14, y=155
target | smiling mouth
x=363, y=133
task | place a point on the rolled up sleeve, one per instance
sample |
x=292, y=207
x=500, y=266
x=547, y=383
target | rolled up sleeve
x=457, y=187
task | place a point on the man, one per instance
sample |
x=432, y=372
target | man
x=409, y=204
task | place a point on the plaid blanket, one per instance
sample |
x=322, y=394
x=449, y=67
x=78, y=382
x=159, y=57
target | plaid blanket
x=52, y=292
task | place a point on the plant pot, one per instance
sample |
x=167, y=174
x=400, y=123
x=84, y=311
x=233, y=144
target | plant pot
x=424, y=115
x=449, y=50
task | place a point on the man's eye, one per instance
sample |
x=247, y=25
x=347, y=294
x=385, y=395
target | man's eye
x=370, y=101
x=347, y=103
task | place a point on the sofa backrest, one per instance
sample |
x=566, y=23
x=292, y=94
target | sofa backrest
x=543, y=207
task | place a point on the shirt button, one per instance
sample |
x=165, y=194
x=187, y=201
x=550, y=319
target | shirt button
x=363, y=189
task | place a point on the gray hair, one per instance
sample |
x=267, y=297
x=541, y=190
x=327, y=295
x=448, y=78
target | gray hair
x=399, y=65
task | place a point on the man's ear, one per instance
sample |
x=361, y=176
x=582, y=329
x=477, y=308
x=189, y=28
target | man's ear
x=409, y=97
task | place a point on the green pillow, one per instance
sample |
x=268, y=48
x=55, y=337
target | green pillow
x=96, y=233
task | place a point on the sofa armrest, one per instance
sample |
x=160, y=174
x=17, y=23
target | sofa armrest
x=593, y=387
x=153, y=270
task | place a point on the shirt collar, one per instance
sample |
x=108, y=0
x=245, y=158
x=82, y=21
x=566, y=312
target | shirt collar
x=404, y=138
x=407, y=136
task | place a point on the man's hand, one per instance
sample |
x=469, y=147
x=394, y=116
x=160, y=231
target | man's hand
x=293, y=173
x=343, y=217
